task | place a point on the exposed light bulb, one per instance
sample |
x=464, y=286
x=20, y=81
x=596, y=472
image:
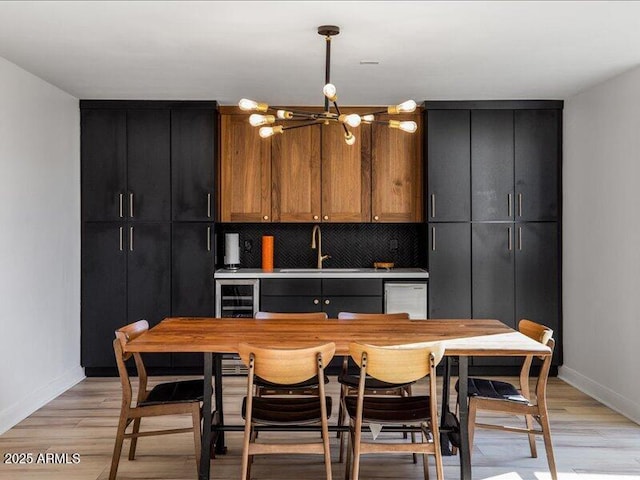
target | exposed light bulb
x=405, y=107
x=353, y=119
x=256, y=119
x=368, y=118
x=349, y=138
x=409, y=126
x=251, y=105
x=330, y=92
x=284, y=114
x=266, y=132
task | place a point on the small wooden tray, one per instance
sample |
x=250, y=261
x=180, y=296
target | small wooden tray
x=386, y=265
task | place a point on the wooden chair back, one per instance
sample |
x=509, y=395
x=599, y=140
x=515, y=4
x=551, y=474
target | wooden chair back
x=544, y=335
x=372, y=316
x=286, y=366
x=291, y=316
x=397, y=364
x=123, y=336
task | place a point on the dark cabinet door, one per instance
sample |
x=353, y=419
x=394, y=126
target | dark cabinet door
x=492, y=267
x=492, y=165
x=448, y=163
x=192, y=261
x=537, y=161
x=149, y=277
x=148, y=164
x=103, y=291
x=104, y=158
x=537, y=275
x=449, y=270
x=286, y=304
x=334, y=305
x=192, y=163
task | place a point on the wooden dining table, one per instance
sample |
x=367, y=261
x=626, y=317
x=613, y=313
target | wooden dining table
x=463, y=338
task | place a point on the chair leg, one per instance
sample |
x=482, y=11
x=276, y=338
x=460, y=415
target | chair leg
x=425, y=457
x=546, y=434
x=532, y=436
x=347, y=463
x=341, y=419
x=355, y=470
x=117, y=449
x=473, y=408
x=245, y=454
x=197, y=434
x=327, y=451
x=134, y=439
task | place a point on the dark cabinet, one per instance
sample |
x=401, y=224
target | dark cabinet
x=449, y=270
x=538, y=146
x=125, y=277
x=492, y=165
x=192, y=163
x=448, y=165
x=104, y=164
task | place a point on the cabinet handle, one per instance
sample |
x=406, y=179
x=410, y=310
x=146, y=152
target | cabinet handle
x=433, y=239
x=520, y=204
x=519, y=238
x=433, y=205
x=121, y=240
x=326, y=217
x=208, y=239
x=316, y=301
x=509, y=239
x=327, y=302
x=509, y=200
x=131, y=204
x=208, y=205
x=131, y=239
x=376, y=217
x=121, y=210
x=266, y=217
x=316, y=217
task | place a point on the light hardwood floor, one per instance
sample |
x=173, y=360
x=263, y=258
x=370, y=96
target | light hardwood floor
x=591, y=442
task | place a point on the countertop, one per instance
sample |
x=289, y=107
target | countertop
x=404, y=273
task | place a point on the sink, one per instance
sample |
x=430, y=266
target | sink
x=317, y=270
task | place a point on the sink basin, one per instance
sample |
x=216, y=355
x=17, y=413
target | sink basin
x=325, y=270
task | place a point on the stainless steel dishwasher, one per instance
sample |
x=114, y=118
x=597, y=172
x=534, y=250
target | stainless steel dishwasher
x=405, y=296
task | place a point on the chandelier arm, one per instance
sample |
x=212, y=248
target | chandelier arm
x=291, y=127
x=327, y=69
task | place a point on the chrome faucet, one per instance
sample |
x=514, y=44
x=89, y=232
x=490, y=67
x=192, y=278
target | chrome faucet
x=321, y=258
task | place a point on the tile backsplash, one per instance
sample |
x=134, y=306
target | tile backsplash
x=351, y=245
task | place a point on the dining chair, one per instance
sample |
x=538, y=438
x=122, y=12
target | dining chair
x=170, y=398
x=264, y=387
x=349, y=382
x=497, y=396
x=418, y=413
x=286, y=412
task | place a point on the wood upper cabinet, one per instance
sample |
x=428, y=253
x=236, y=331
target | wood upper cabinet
x=346, y=175
x=295, y=174
x=396, y=172
x=245, y=172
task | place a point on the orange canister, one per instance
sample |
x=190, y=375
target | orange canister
x=267, y=253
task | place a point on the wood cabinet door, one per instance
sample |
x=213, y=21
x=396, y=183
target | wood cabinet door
x=295, y=175
x=149, y=278
x=149, y=164
x=245, y=170
x=103, y=290
x=104, y=164
x=396, y=172
x=492, y=165
x=449, y=270
x=538, y=144
x=448, y=165
x=346, y=175
x=193, y=140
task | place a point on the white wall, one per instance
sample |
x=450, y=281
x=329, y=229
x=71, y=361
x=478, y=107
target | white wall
x=39, y=243
x=601, y=243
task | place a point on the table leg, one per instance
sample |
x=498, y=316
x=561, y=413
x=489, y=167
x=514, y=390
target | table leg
x=221, y=447
x=465, y=452
x=205, y=453
x=445, y=447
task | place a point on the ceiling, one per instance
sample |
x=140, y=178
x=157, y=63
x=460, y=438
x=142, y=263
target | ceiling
x=270, y=51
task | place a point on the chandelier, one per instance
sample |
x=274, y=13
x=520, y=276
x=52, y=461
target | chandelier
x=268, y=116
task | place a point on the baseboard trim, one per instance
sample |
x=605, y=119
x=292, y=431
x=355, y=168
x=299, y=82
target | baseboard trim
x=605, y=395
x=24, y=407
